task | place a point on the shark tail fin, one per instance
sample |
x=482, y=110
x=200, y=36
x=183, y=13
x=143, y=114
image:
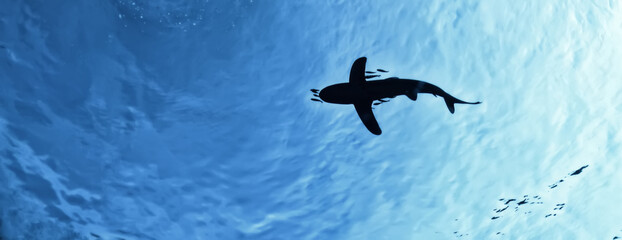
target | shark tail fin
x=450, y=104
x=450, y=101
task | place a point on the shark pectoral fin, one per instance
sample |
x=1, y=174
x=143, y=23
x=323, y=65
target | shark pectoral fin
x=357, y=72
x=367, y=116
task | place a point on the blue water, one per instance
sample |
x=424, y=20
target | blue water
x=193, y=120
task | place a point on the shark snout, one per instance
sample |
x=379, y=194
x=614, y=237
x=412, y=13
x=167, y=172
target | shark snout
x=332, y=94
x=328, y=94
x=323, y=95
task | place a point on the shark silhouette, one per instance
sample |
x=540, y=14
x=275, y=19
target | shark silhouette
x=362, y=93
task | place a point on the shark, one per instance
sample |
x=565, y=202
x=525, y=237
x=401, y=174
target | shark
x=362, y=93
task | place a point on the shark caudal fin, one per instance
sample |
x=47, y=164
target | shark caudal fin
x=450, y=101
x=450, y=105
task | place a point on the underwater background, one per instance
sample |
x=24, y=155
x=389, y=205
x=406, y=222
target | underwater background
x=193, y=120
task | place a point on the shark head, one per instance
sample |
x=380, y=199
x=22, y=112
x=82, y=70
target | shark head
x=328, y=95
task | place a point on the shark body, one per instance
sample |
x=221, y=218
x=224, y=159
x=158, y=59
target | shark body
x=361, y=93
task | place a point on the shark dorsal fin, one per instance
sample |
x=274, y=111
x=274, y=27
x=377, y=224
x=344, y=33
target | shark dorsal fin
x=357, y=73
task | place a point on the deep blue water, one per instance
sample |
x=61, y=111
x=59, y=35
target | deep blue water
x=193, y=120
